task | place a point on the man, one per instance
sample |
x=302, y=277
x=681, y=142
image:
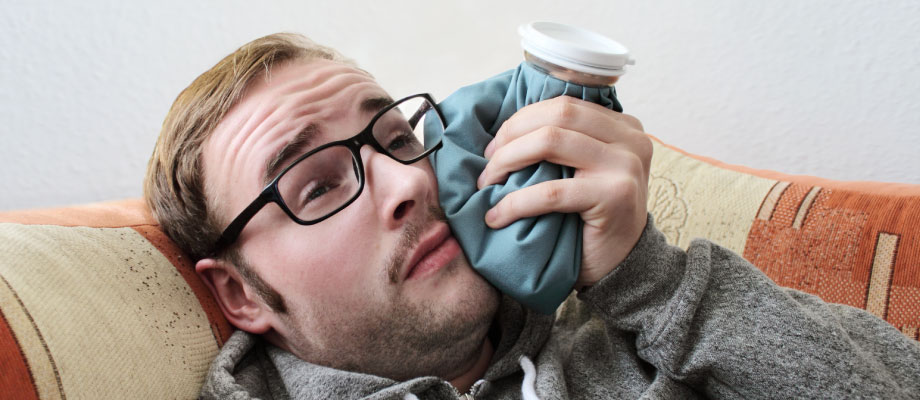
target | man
x=345, y=282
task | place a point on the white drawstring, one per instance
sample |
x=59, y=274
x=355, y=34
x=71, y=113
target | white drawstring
x=528, y=388
x=410, y=396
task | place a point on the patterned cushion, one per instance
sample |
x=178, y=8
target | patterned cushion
x=855, y=243
x=96, y=302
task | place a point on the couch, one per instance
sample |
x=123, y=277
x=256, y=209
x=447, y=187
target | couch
x=96, y=302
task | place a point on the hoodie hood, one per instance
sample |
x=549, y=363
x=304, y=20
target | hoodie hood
x=249, y=367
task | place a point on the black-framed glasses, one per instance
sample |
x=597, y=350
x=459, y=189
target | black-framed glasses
x=328, y=178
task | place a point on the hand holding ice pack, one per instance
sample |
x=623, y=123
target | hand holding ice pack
x=534, y=260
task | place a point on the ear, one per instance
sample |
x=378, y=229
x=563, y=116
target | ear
x=241, y=305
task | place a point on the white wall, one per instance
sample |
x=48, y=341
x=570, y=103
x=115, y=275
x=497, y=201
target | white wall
x=819, y=87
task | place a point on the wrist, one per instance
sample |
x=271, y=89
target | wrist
x=617, y=256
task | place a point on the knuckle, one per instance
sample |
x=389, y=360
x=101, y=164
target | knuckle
x=644, y=149
x=627, y=191
x=635, y=166
x=564, y=99
x=633, y=122
x=553, y=137
x=564, y=109
x=553, y=194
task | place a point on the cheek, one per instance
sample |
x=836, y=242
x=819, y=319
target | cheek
x=425, y=165
x=321, y=263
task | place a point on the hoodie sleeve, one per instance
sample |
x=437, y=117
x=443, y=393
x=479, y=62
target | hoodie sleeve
x=711, y=320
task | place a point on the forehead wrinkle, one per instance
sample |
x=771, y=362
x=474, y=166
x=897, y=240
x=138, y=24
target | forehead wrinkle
x=273, y=118
x=251, y=121
x=351, y=82
x=311, y=104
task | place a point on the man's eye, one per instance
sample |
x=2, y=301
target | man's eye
x=401, y=141
x=317, y=190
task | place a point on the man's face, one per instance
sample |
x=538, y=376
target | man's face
x=355, y=298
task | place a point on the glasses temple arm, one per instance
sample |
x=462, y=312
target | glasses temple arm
x=232, y=232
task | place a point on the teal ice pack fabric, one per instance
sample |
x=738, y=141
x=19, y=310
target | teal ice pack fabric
x=534, y=260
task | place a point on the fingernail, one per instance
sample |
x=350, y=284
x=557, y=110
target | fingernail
x=488, y=152
x=481, y=180
x=491, y=216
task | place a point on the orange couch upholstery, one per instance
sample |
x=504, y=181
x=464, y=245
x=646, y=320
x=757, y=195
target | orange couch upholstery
x=96, y=302
x=855, y=243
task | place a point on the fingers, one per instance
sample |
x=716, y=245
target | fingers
x=608, y=150
x=590, y=157
x=568, y=113
x=564, y=195
x=556, y=145
x=596, y=200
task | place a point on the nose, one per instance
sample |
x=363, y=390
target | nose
x=399, y=191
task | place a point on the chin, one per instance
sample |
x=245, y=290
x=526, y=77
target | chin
x=438, y=323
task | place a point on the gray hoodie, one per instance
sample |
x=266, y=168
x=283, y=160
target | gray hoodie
x=664, y=324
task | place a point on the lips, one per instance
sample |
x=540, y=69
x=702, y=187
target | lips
x=436, y=249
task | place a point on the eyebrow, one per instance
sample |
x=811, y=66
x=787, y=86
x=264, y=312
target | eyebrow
x=301, y=141
x=375, y=104
x=306, y=136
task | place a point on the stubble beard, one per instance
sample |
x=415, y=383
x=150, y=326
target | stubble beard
x=405, y=339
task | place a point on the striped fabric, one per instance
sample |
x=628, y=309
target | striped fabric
x=96, y=302
x=855, y=243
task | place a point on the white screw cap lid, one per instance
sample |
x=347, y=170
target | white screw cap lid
x=575, y=48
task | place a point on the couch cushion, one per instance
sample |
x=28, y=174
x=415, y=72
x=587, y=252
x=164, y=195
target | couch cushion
x=855, y=243
x=96, y=302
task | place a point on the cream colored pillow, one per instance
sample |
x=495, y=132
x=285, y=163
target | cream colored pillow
x=96, y=302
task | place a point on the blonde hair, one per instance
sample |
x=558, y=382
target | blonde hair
x=174, y=186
